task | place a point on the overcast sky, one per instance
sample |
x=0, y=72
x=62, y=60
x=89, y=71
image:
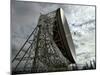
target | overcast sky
x=25, y=17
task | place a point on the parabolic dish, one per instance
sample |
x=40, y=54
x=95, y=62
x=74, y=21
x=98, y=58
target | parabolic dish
x=68, y=49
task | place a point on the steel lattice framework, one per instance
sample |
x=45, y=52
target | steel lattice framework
x=45, y=49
